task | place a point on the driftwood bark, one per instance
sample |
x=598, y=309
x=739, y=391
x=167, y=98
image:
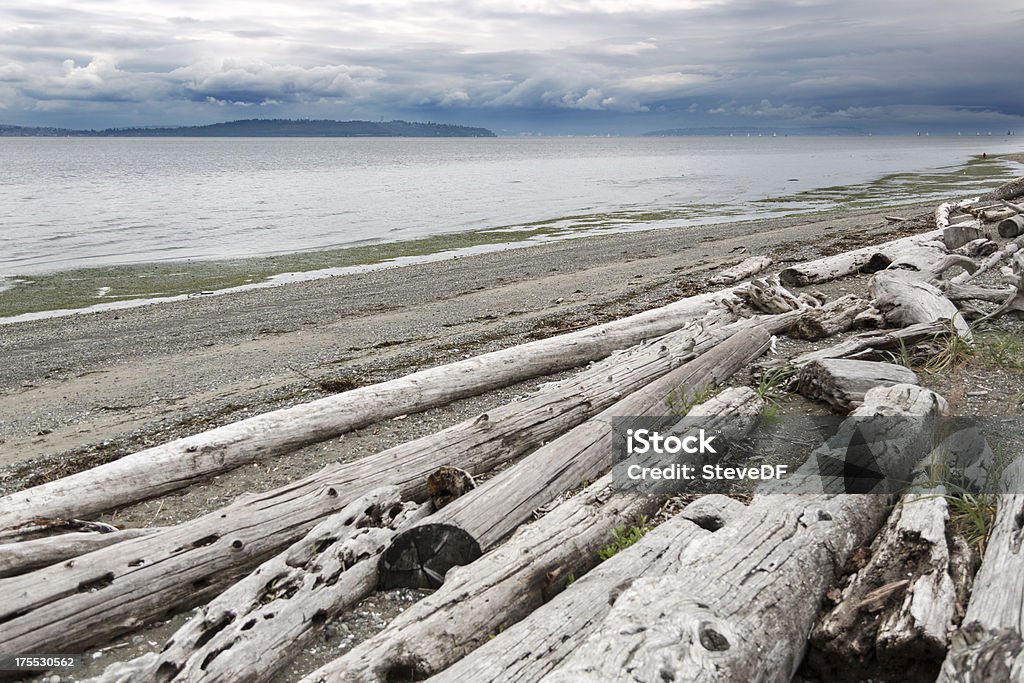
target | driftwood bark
x=990, y=646
x=832, y=318
x=978, y=248
x=958, y=292
x=942, y=212
x=184, y=565
x=1011, y=227
x=843, y=383
x=906, y=300
x=1007, y=191
x=184, y=461
x=876, y=341
x=742, y=606
x=494, y=592
x=251, y=630
x=530, y=649
x=851, y=262
x=18, y=558
x=892, y=619
x=741, y=271
x=461, y=532
x=957, y=236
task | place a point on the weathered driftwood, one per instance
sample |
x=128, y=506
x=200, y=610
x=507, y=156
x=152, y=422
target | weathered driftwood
x=18, y=558
x=766, y=294
x=906, y=300
x=741, y=271
x=1011, y=227
x=868, y=319
x=530, y=649
x=942, y=212
x=447, y=483
x=990, y=645
x=89, y=599
x=186, y=564
x=966, y=292
x=959, y=235
x=468, y=527
x=494, y=592
x=880, y=341
x=742, y=606
x=252, y=629
x=35, y=528
x=834, y=317
x=843, y=383
x=851, y=262
x=892, y=618
x=184, y=461
x=1014, y=302
x=929, y=261
x=1007, y=191
x=993, y=260
x=978, y=248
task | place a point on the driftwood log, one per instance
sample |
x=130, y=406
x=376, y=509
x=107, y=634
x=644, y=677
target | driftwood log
x=741, y=271
x=497, y=590
x=961, y=234
x=186, y=564
x=1011, y=227
x=834, y=317
x=877, y=342
x=906, y=300
x=744, y=603
x=1007, y=191
x=978, y=248
x=843, y=383
x=18, y=558
x=252, y=629
x=464, y=530
x=1014, y=303
x=990, y=644
x=184, y=461
x=892, y=619
x=852, y=262
x=530, y=649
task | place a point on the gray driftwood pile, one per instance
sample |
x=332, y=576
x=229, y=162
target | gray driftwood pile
x=835, y=587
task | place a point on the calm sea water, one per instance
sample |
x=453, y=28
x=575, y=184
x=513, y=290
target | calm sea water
x=82, y=202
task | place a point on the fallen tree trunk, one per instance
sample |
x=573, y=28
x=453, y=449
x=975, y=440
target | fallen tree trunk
x=958, y=292
x=494, y=592
x=1008, y=190
x=832, y=318
x=254, y=627
x=957, y=236
x=185, y=461
x=893, y=618
x=881, y=340
x=741, y=607
x=851, y=262
x=530, y=649
x=843, y=383
x=464, y=530
x=18, y=558
x=990, y=644
x=905, y=300
x=183, y=565
x=741, y=271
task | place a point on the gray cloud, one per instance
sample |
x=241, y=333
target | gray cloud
x=638, y=65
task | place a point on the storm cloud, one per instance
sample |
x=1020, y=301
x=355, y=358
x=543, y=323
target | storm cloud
x=584, y=66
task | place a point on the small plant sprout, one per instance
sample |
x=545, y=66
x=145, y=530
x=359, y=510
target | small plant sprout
x=623, y=537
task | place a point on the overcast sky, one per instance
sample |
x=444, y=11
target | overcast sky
x=570, y=66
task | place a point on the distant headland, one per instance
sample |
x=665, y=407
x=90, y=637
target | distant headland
x=268, y=128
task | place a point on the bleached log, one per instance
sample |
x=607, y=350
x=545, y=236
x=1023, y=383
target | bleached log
x=497, y=590
x=741, y=271
x=1018, y=208
x=990, y=644
x=957, y=292
x=852, y=262
x=869, y=319
x=252, y=629
x=881, y=340
x=893, y=617
x=929, y=260
x=1007, y=191
x=768, y=295
x=475, y=522
x=183, y=565
x=742, y=606
x=18, y=558
x=530, y=649
x=34, y=528
x=906, y=300
x=834, y=317
x=942, y=212
x=843, y=383
x=978, y=248
x=182, y=462
x=1011, y=227
x=1014, y=302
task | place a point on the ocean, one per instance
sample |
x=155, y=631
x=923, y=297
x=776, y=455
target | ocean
x=68, y=203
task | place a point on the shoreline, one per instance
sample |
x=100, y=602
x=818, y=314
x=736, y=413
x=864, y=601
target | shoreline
x=72, y=291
